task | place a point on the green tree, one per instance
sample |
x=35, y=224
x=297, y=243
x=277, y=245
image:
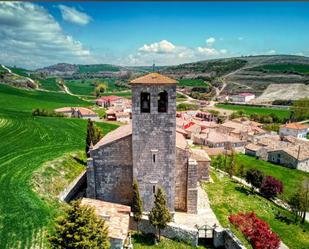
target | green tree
x=101, y=88
x=231, y=166
x=255, y=178
x=79, y=228
x=137, y=206
x=241, y=171
x=159, y=216
x=218, y=162
x=94, y=135
x=300, y=109
x=295, y=203
x=304, y=191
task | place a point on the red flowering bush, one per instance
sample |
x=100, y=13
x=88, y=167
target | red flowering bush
x=256, y=230
x=271, y=187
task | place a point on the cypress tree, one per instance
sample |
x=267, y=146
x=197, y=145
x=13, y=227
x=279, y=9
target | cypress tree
x=137, y=207
x=159, y=216
x=90, y=135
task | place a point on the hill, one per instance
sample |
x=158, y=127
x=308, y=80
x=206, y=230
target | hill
x=26, y=143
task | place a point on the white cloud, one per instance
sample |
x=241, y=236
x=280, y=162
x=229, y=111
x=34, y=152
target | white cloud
x=70, y=14
x=210, y=41
x=211, y=51
x=272, y=51
x=31, y=37
x=163, y=46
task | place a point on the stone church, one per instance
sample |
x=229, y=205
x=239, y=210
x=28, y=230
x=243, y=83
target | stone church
x=148, y=150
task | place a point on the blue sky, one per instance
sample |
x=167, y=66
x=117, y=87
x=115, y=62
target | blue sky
x=134, y=33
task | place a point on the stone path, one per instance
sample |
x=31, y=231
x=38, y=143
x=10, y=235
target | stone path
x=205, y=215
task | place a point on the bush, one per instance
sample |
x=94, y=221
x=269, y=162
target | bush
x=255, y=230
x=46, y=113
x=186, y=107
x=271, y=187
x=254, y=177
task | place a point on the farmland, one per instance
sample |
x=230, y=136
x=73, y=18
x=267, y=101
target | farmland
x=192, y=83
x=49, y=84
x=281, y=113
x=283, y=68
x=227, y=197
x=28, y=142
x=97, y=68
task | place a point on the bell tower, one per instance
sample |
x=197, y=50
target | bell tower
x=153, y=136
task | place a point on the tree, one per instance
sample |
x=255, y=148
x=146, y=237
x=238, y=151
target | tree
x=159, y=216
x=218, y=162
x=241, y=171
x=304, y=199
x=295, y=204
x=255, y=178
x=137, y=206
x=231, y=167
x=271, y=187
x=101, y=88
x=94, y=135
x=300, y=109
x=80, y=228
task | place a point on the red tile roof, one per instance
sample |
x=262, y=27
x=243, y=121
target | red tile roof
x=154, y=78
x=295, y=126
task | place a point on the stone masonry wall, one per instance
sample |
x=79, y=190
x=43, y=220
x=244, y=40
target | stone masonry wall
x=110, y=179
x=181, y=180
x=192, y=187
x=154, y=136
x=203, y=170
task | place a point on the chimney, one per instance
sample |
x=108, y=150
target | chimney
x=298, y=153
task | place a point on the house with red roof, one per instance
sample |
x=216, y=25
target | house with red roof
x=294, y=129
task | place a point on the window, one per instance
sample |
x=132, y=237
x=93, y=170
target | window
x=154, y=158
x=145, y=102
x=162, y=101
x=153, y=189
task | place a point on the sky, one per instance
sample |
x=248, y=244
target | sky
x=37, y=34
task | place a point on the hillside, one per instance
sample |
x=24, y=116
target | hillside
x=26, y=143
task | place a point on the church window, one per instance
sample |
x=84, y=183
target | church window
x=153, y=189
x=145, y=102
x=154, y=158
x=162, y=101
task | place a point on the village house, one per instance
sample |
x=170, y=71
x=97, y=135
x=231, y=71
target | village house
x=242, y=97
x=288, y=151
x=149, y=150
x=108, y=101
x=78, y=112
x=294, y=129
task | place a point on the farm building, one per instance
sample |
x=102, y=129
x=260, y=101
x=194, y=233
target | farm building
x=242, y=97
x=78, y=112
x=294, y=129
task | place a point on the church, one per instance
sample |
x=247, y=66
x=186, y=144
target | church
x=149, y=150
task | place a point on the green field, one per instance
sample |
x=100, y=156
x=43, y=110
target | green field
x=227, y=197
x=281, y=113
x=192, y=83
x=283, y=68
x=49, y=84
x=291, y=178
x=97, y=68
x=26, y=143
x=20, y=71
x=86, y=87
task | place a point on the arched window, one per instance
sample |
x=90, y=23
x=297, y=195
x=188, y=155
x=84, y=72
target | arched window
x=145, y=102
x=162, y=101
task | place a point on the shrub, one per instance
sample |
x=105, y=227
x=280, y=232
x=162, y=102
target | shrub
x=255, y=230
x=46, y=113
x=186, y=107
x=271, y=187
x=255, y=178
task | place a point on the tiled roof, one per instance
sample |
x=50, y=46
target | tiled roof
x=84, y=111
x=64, y=109
x=181, y=142
x=154, y=78
x=200, y=155
x=295, y=126
x=116, y=216
x=253, y=147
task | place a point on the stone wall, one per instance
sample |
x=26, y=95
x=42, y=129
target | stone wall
x=303, y=165
x=181, y=180
x=154, y=137
x=192, y=187
x=172, y=231
x=110, y=173
x=281, y=157
x=225, y=238
x=203, y=170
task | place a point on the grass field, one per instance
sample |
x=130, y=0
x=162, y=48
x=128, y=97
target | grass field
x=86, y=87
x=283, y=68
x=49, y=84
x=20, y=71
x=27, y=143
x=192, y=83
x=291, y=178
x=281, y=113
x=227, y=197
x=97, y=68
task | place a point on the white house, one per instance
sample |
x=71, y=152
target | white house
x=294, y=129
x=242, y=97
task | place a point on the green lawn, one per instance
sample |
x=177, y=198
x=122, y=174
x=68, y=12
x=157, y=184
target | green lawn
x=192, y=83
x=97, y=68
x=227, y=197
x=143, y=242
x=281, y=113
x=291, y=178
x=27, y=143
x=49, y=84
x=283, y=68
